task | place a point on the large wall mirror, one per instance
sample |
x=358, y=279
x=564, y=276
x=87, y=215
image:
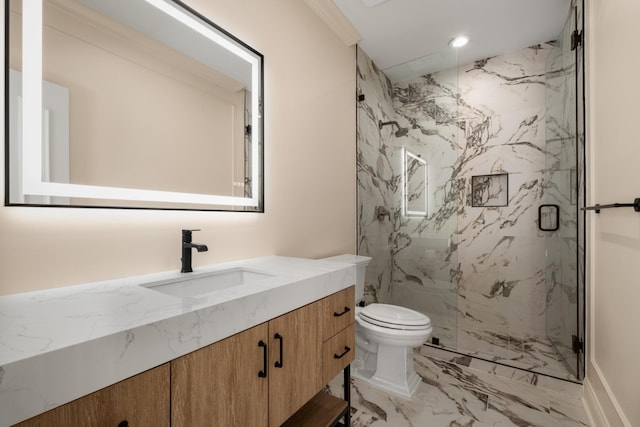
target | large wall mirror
x=131, y=104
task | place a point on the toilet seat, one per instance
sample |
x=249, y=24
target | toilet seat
x=394, y=317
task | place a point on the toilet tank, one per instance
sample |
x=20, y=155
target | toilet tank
x=361, y=263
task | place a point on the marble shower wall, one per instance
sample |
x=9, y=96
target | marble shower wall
x=377, y=180
x=478, y=272
x=409, y=254
x=501, y=253
x=425, y=260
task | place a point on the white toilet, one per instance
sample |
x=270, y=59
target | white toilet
x=385, y=338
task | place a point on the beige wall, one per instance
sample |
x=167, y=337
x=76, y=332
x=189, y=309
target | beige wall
x=309, y=168
x=613, y=369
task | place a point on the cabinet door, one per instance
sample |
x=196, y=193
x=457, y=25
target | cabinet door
x=220, y=385
x=299, y=377
x=142, y=400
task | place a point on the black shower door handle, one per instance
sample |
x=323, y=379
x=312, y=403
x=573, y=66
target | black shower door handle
x=549, y=209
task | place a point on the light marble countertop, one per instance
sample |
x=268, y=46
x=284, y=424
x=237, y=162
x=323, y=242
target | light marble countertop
x=60, y=344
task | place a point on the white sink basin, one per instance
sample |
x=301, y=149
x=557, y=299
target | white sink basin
x=193, y=285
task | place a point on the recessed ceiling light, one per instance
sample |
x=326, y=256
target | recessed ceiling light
x=371, y=3
x=459, y=41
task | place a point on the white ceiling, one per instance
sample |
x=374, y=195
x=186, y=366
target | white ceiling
x=399, y=31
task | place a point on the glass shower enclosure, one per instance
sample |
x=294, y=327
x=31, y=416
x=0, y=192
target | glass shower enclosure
x=564, y=181
x=469, y=186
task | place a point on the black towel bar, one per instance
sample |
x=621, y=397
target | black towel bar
x=635, y=205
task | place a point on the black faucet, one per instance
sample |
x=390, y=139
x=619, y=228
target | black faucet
x=187, y=245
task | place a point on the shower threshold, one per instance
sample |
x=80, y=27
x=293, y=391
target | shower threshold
x=524, y=361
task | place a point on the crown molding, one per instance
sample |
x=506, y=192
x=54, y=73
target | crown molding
x=333, y=17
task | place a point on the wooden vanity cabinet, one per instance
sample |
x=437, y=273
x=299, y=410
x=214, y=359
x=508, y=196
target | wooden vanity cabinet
x=300, y=376
x=337, y=351
x=139, y=401
x=266, y=376
x=337, y=312
x=221, y=384
x=338, y=332
x=324, y=346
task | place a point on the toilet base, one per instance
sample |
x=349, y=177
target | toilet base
x=394, y=370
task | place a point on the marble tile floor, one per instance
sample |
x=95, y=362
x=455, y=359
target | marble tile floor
x=536, y=354
x=532, y=353
x=452, y=395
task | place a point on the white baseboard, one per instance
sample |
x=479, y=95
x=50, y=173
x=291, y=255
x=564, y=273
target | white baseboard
x=601, y=405
x=593, y=407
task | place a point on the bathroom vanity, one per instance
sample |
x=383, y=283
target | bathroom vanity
x=257, y=350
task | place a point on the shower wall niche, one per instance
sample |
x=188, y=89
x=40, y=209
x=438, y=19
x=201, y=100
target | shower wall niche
x=475, y=261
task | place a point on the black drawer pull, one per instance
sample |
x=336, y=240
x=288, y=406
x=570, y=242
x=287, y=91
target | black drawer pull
x=340, y=356
x=123, y=423
x=346, y=310
x=279, y=363
x=263, y=373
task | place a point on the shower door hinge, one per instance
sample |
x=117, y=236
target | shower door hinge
x=576, y=39
x=577, y=344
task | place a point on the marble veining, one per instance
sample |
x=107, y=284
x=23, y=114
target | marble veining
x=454, y=395
x=60, y=344
x=483, y=274
x=490, y=190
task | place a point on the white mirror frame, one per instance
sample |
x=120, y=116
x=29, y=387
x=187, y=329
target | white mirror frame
x=32, y=183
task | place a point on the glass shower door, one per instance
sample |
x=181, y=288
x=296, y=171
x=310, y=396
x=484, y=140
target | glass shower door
x=560, y=220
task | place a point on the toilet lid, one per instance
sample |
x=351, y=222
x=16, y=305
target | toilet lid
x=393, y=316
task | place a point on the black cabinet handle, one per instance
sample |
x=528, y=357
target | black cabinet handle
x=340, y=356
x=123, y=423
x=279, y=362
x=263, y=373
x=346, y=310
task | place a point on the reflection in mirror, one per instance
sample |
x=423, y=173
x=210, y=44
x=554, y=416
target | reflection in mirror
x=414, y=185
x=131, y=103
